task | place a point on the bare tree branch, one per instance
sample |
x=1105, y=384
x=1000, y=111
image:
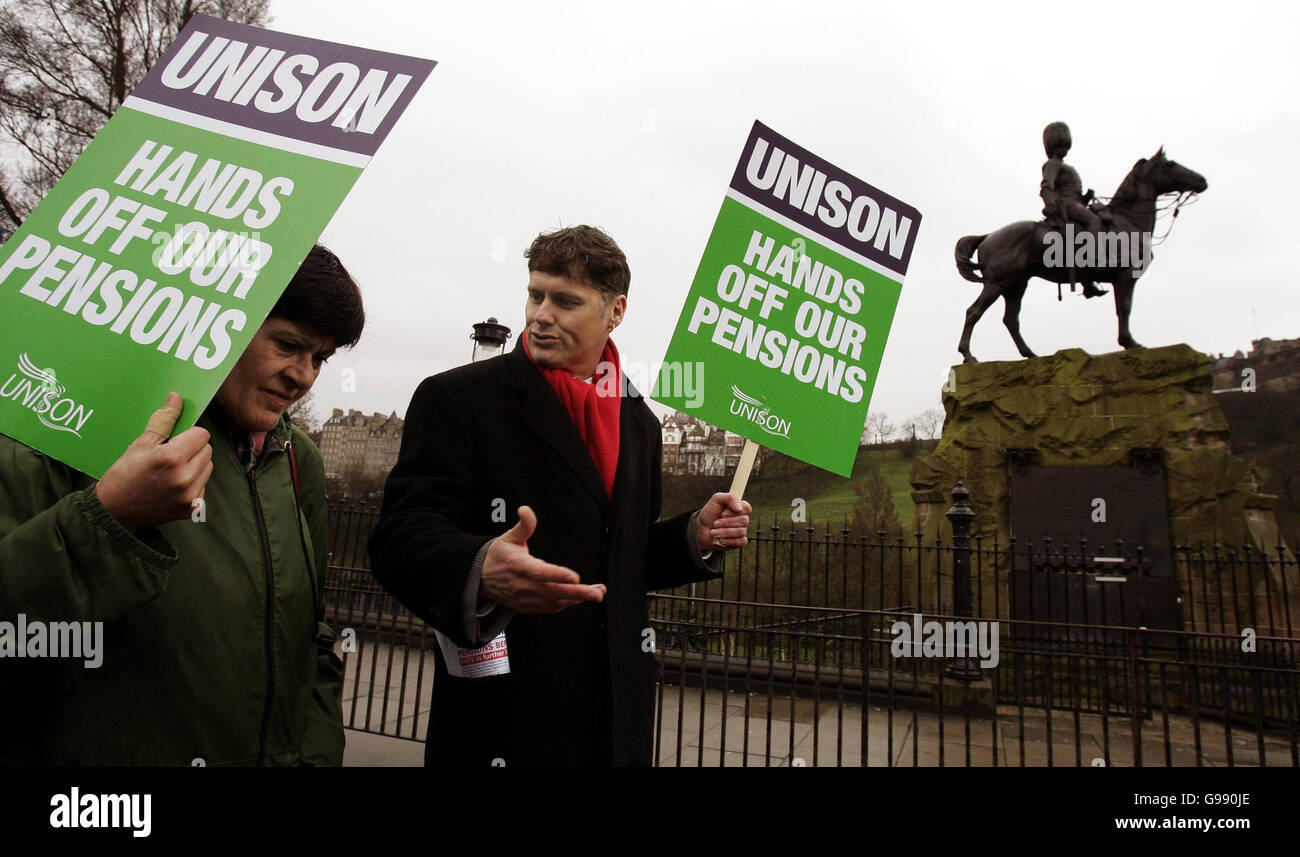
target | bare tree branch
x=66, y=66
x=9, y=210
x=931, y=421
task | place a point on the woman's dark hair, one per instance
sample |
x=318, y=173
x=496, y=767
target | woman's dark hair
x=323, y=297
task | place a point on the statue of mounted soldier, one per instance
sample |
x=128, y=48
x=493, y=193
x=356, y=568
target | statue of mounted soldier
x=1062, y=191
x=1009, y=257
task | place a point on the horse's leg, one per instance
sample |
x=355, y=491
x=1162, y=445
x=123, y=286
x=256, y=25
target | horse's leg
x=1124, y=284
x=1011, y=315
x=982, y=303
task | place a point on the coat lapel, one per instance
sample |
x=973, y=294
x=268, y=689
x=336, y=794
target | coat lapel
x=542, y=412
x=631, y=429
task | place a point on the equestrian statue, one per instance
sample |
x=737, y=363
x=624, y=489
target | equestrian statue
x=1079, y=240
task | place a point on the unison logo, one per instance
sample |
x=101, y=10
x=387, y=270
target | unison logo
x=758, y=413
x=40, y=392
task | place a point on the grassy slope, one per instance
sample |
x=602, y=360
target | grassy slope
x=835, y=502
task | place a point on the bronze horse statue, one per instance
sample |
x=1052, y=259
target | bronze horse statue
x=1011, y=255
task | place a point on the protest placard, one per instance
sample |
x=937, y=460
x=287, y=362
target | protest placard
x=787, y=317
x=152, y=263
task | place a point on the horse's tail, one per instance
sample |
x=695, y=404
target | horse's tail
x=966, y=248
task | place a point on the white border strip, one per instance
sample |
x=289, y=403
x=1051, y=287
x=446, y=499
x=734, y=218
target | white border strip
x=803, y=230
x=239, y=132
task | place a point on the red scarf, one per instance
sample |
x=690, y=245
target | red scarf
x=595, y=415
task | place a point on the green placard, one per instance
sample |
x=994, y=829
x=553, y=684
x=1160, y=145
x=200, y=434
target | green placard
x=787, y=318
x=153, y=261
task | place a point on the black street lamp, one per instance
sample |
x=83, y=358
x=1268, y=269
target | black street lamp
x=489, y=339
x=961, y=515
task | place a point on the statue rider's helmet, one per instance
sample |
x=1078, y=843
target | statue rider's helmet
x=1056, y=139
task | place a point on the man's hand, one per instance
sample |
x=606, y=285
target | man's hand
x=514, y=578
x=156, y=481
x=723, y=523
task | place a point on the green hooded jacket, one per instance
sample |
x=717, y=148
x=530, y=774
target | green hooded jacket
x=213, y=648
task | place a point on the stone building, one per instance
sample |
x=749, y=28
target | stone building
x=715, y=454
x=735, y=445
x=692, y=447
x=355, y=445
x=691, y=458
x=672, y=443
x=1275, y=367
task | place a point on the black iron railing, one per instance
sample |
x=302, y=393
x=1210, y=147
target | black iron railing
x=1123, y=695
x=792, y=658
x=1210, y=588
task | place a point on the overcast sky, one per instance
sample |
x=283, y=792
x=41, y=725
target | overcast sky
x=631, y=116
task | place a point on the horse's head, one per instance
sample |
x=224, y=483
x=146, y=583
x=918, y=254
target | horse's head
x=1162, y=175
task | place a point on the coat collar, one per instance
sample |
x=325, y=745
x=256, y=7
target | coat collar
x=543, y=412
x=216, y=422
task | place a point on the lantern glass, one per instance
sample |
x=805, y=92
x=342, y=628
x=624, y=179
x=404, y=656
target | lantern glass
x=486, y=349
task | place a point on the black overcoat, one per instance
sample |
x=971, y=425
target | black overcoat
x=489, y=437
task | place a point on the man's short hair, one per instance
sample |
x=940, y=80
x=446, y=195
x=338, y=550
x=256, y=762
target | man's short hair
x=584, y=254
x=324, y=298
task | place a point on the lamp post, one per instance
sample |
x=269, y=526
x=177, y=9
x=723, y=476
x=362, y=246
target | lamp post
x=965, y=667
x=489, y=339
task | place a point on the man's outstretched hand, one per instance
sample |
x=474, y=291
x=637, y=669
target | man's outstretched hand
x=723, y=523
x=514, y=578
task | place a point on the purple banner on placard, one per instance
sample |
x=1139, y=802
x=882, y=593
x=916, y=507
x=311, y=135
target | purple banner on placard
x=319, y=92
x=815, y=194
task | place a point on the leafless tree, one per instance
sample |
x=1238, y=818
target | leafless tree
x=302, y=413
x=879, y=427
x=874, y=510
x=928, y=423
x=66, y=66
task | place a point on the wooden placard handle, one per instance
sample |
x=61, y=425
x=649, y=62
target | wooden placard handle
x=744, y=468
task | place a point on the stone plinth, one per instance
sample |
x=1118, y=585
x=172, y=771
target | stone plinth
x=1079, y=409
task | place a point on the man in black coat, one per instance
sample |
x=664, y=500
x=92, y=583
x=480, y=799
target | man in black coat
x=545, y=647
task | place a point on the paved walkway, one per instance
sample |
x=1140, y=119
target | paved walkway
x=407, y=674
x=808, y=733
x=364, y=750
x=827, y=734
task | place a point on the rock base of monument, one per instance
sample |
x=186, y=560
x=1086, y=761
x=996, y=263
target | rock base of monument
x=1056, y=426
x=1074, y=408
